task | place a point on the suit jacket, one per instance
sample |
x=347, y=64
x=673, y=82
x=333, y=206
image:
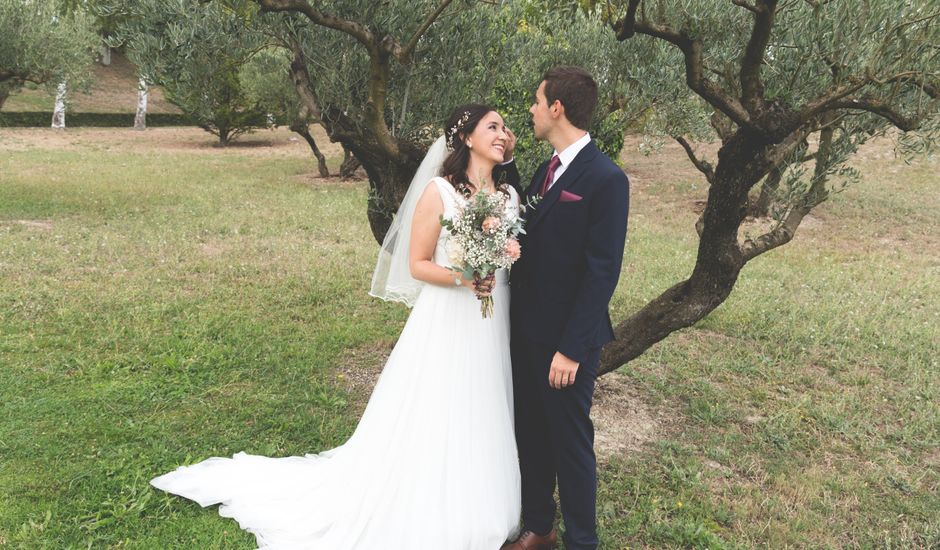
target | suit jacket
x=508, y=173
x=572, y=253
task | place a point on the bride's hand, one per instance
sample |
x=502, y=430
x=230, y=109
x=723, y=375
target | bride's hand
x=484, y=287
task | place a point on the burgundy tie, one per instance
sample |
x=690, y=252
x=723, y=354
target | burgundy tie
x=550, y=175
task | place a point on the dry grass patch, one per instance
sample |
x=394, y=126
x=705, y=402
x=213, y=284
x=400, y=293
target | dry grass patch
x=624, y=421
x=274, y=143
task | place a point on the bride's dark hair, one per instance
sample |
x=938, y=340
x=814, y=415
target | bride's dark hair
x=460, y=124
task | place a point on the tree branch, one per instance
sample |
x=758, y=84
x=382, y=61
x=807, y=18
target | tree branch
x=694, y=66
x=403, y=54
x=379, y=51
x=823, y=102
x=353, y=28
x=777, y=154
x=752, y=89
x=7, y=74
x=302, y=84
x=816, y=194
x=778, y=236
x=703, y=166
x=722, y=126
x=745, y=5
x=879, y=108
x=929, y=88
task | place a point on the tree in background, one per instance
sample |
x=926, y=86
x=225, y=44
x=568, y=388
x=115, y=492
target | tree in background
x=382, y=76
x=43, y=45
x=379, y=76
x=790, y=89
x=196, y=52
x=267, y=77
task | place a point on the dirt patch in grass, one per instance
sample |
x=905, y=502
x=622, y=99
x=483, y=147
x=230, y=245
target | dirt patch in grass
x=623, y=421
x=360, y=370
x=278, y=142
x=314, y=179
x=42, y=225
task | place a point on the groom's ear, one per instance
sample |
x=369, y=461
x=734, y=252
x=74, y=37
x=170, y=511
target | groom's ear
x=557, y=109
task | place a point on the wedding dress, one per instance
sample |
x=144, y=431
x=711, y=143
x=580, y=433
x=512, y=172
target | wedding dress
x=432, y=464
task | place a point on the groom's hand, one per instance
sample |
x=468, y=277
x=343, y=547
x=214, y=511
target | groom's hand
x=562, y=372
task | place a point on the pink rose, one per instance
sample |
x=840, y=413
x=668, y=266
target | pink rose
x=490, y=223
x=513, y=250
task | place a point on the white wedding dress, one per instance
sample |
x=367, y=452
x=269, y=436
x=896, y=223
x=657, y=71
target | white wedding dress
x=432, y=464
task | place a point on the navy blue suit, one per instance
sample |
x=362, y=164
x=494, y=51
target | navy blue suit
x=561, y=287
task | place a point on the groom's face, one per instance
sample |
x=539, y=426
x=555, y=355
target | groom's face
x=542, y=120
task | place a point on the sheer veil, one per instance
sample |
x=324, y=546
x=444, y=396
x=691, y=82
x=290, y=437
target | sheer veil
x=392, y=278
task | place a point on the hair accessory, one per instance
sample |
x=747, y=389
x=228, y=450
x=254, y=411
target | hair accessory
x=451, y=134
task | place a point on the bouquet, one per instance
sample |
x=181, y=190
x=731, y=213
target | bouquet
x=483, y=239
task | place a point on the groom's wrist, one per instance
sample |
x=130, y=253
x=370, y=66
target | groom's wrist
x=574, y=353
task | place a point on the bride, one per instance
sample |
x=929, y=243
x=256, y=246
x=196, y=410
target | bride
x=432, y=463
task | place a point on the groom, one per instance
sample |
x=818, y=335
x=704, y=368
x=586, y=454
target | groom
x=561, y=287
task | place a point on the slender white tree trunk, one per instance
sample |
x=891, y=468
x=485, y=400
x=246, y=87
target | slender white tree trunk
x=58, y=115
x=140, y=119
x=105, y=55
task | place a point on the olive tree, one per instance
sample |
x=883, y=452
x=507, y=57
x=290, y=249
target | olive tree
x=43, y=45
x=196, y=52
x=267, y=79
x=382, y=76
x=789, y=89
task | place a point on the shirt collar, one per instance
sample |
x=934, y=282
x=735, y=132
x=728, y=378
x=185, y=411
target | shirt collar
x=572, y=150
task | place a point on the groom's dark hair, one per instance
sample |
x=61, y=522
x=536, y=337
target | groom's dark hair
x=575, y=89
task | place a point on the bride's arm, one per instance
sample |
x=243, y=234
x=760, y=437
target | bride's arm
x=425, y=230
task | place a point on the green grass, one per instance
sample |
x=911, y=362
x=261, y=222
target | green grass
x=159, y=307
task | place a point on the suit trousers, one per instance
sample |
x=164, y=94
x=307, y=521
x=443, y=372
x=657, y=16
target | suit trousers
x=555, y=437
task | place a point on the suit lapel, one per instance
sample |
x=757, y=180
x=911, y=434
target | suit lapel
x=533, y=188
x=571, y=174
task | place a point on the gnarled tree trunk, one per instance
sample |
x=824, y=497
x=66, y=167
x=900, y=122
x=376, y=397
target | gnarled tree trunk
x=388, y=178
x=760, y=137
x=717, y=265
x=350, y=164
x=389, y=174
x=304, y=130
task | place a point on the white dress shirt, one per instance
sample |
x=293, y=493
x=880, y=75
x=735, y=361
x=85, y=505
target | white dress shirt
x=567, y=156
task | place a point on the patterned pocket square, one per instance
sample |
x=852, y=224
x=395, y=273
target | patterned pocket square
x=569, y=197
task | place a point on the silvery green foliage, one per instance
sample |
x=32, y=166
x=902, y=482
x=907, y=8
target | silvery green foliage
x=41, y=45
x=475, y=52
x=195, y=51
x=540, y=39
x=815, y=46
x=265, y=79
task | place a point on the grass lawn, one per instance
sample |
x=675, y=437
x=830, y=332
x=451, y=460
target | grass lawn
x=163, y=301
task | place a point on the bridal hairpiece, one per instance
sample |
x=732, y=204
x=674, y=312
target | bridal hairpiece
x=452, y=131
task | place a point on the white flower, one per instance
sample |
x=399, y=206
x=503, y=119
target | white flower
x=454, y=251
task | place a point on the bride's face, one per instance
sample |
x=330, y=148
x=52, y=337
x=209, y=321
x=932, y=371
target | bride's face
x=488, y=139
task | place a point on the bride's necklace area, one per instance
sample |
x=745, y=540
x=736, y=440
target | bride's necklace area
x=485, y=189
